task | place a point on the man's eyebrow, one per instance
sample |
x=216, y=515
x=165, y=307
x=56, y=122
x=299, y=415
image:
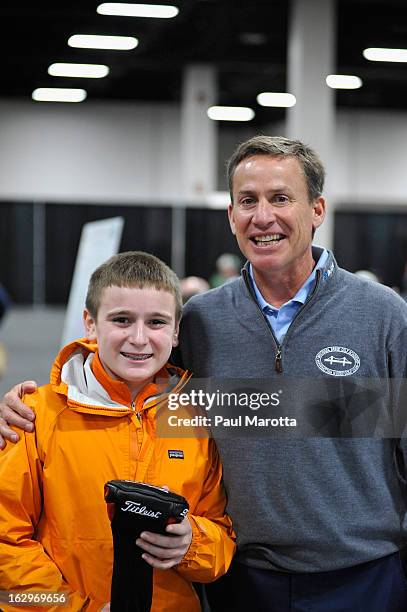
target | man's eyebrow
x=245, y=192
x=276, y=189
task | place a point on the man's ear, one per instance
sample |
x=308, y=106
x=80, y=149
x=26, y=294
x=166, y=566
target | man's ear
x=175, y=340
x=90, y=325
x=231, y=218
x=319, y=210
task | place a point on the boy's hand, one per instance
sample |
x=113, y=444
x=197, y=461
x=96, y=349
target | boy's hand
x=164, y=551
x=14, y=412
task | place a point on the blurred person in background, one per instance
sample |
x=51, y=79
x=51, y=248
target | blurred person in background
x=192, y=285
x=227, y=268
x=5, y=302
x=369, y=275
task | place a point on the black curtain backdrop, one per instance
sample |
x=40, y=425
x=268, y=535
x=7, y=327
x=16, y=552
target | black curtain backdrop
x=370, y=240
x=16, y=250
x=146, y=228
x=373, y=241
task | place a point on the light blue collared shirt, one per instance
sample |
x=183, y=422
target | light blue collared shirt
x=281, y=318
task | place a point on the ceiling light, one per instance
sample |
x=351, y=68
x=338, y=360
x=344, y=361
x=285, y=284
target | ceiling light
x=89, y=71
x=93, y=41
x=283, y=100
x=343, y=81
x=230, y=113
x=137, y=10
x=58, y=94
x=377, y=54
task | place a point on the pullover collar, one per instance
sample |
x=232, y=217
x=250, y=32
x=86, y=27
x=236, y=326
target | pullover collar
x=325, y=273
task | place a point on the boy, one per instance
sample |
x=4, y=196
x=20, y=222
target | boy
x=96, y=422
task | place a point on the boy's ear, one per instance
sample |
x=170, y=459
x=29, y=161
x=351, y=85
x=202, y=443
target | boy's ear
x=175, y=340
x=90, y=325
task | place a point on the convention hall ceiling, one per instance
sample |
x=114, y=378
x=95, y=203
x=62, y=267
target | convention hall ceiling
x=246, y=40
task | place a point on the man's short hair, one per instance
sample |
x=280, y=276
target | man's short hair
x=133, y=269
x=278, y=146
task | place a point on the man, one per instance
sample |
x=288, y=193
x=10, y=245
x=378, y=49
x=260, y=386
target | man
x=320, y=521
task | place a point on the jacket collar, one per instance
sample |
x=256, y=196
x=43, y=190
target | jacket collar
x=78, y=373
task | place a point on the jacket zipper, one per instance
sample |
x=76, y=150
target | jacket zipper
x=278, y=362
x=159, y=398
x=138, y=414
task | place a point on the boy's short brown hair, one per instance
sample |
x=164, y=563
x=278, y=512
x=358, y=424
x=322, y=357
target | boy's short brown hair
x=133, y=269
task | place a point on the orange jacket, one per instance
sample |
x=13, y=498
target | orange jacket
x=54, y=529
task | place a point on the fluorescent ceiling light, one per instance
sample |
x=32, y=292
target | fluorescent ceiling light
x=58, y=94
x=93, y=41
x=377, y=54
x=137, y=10
x=230, y=113
x=281, y=100
x=343, y=81
x=89, y=71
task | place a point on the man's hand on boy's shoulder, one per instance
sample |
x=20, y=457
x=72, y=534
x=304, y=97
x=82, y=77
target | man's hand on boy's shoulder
x=165, y=551
x=14, y=412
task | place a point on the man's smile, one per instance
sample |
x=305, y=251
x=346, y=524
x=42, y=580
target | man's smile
x=267, y=239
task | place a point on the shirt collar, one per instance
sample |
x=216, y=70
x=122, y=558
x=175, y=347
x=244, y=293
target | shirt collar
x=302, y=293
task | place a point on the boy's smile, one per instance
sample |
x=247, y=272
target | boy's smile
x=136, y=331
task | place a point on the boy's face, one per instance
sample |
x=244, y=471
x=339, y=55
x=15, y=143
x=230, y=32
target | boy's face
x=135, y=330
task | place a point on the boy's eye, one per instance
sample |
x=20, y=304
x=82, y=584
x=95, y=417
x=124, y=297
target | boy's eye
x=121, y=320
x=157, y=322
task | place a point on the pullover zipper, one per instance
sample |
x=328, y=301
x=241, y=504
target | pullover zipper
x=278, y=362
x=278, y=366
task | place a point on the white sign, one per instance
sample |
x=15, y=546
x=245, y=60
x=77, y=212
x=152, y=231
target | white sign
x=99, y=241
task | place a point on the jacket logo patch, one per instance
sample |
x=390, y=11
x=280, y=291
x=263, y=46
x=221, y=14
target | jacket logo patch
x=176, y=454
x=337, y=361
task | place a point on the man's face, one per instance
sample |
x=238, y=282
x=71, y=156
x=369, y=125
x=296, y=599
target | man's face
x=271, y=216
x=136, y=331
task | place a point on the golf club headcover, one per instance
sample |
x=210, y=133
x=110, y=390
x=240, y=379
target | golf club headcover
x=134, y=507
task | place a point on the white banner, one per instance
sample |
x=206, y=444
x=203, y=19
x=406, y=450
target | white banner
x=99, y=241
